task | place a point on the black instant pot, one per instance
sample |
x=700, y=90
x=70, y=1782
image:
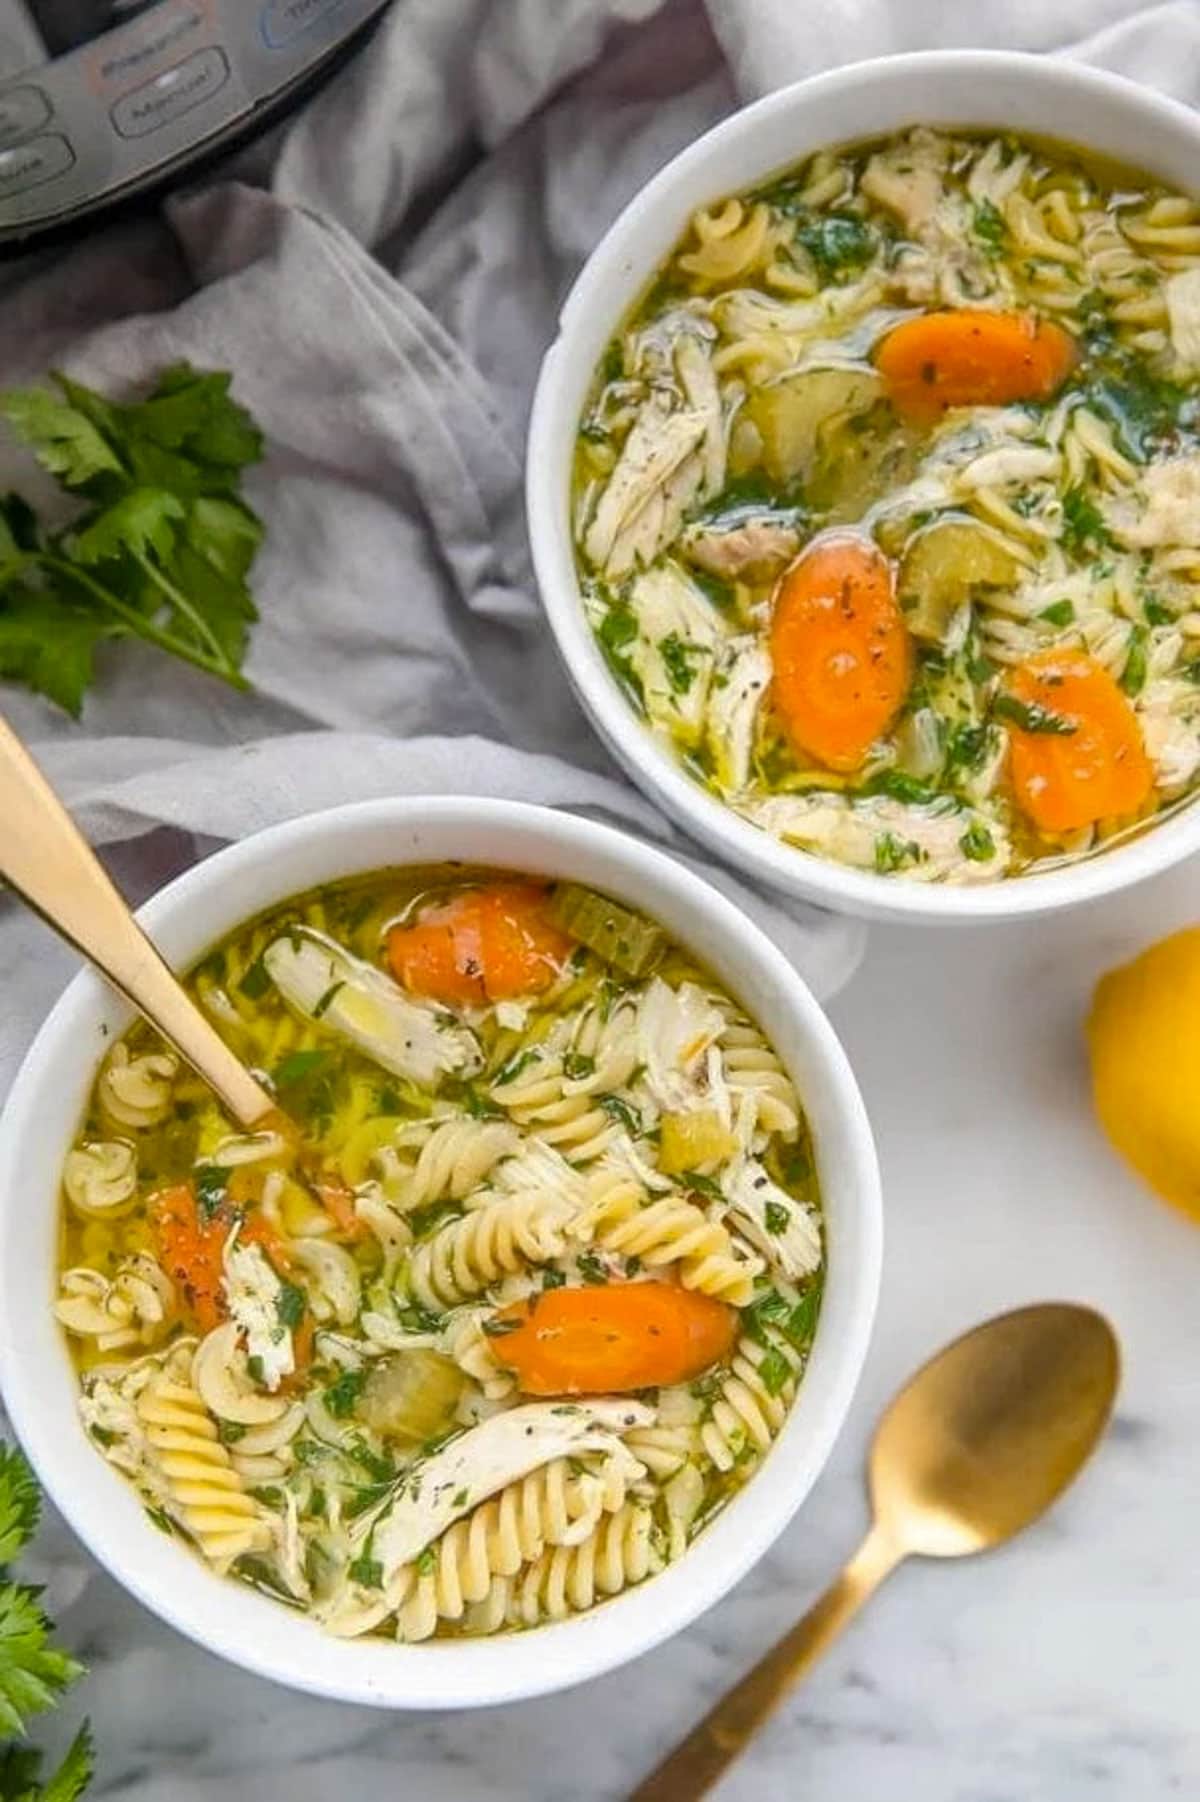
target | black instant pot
x=103, y=100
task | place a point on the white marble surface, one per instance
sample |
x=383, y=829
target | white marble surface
x=1060, y=1670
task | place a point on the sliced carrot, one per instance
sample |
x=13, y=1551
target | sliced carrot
x=1087, y=762
x=190, y=1246
x=841, y=652
x=487, y=944
x=972, y=358
x=610, y=1338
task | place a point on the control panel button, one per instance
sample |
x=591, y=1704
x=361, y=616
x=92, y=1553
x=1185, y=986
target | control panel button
x=175, y=92
x=283, y=20
x=29, y=165
x=22, y=110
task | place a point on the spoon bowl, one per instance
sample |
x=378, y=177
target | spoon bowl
x=992, y=1429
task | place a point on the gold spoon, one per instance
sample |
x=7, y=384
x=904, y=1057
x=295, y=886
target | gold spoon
x=46, y=859
x=982, y=1440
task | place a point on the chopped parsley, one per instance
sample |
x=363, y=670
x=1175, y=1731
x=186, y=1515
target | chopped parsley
x=367, y=1571
x=427, y=1563
x=1031, y=716
x=1059, y=613
x=616, y=634
x=553, y=1279
x=576, y=1067
x=290, y=1304
x=776, y=1217
x=892, y=853
x=679, y=661
x=702, y=1185
x=256, y=982
x=591, y=1268
x=327, y=999
x=230, y=1431
x=987, y=224
x=1133, y=676
x=211, y=1183
x=297, y=1066
x=620, y=1110
x=341, y=1396
x=977, y=843
x=509, y=1072
x=1083, y=526
x=840, y=245
x=774, y=1371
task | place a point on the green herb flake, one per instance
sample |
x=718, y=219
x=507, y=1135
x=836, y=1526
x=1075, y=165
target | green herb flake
x=774, y=1371
x=366, y=1571
x=289, y=1305
x=327, y=999
x=230, y=1431
x=1031, y=716
x=988, y=227
x=576, y=1067
x=1083, y=526
x=977, y=843
x=342, y=1396
x=256, y=982
x=1133, y=676
x=1059, y=613
x=211, y=1182
x=776, y=1217
x=680, y=660
x=426, y=1564
x=298, y=1066
x=892, y=853
x=591, y=1268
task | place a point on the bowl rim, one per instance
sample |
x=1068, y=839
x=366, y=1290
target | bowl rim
x=552, y=427
x=233, y=1621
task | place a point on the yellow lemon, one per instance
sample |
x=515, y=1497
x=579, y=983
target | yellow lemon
x=1144, y=1036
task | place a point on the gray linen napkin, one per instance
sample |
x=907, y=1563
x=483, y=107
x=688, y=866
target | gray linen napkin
x=402, y=647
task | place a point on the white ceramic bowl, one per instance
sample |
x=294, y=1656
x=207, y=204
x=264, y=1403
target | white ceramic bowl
x=42, y=1116
x=1051, y=96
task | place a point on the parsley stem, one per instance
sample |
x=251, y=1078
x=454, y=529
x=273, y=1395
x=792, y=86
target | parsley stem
x=137, y=622
x=179, y=600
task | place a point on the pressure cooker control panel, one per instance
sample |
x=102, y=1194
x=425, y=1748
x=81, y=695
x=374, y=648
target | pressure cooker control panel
x=123, y=109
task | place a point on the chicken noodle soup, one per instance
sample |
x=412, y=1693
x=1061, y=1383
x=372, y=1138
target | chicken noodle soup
x=887, y=505
x=524, y=1307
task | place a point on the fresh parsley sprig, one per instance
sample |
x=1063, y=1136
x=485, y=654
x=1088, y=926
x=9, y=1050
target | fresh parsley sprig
x=34, y=1673
x=163, y=544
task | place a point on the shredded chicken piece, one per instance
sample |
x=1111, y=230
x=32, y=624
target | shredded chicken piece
x=1164, y=510
x=907, y=179
x=927, y=841
x=753, y=550
x=744, y=672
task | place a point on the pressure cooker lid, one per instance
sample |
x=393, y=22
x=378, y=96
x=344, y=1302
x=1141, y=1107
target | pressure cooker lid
x=100, y=99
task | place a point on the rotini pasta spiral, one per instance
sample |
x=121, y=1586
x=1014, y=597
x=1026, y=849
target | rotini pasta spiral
x=558, y=1098
x=497, y=1237
x=136, y=1308
x=453, y=1156
x=206, y=1494
x=553, y=1507
x=624, y=1549
x=669, y=1230
x=748, y=1412
x=135, y=1092
x=753, y=1069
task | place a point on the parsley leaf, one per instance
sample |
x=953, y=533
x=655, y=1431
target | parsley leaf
x=679, y=661
x=1083, y=524
x=290, y=1303
x=33, y=1673
x=774, y=1371
x=1133, y=676
x=340, y=1397
x=1059, y=613
x=163, y=548
x=987, y=224
x=977, y=843
x=20, y=1503
x=776, y=1217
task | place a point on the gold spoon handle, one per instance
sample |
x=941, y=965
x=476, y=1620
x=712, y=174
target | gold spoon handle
x=711, y=1747
x=46, y=859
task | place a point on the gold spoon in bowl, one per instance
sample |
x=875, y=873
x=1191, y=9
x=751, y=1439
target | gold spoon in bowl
x=45, y=858
x=979, y=1444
